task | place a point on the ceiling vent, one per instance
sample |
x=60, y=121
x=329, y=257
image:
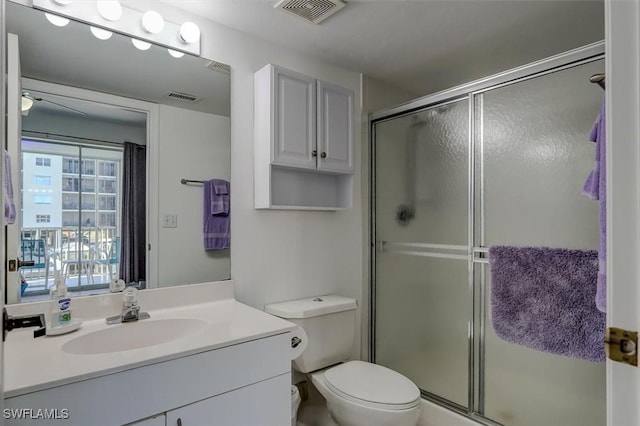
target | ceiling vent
x=219, y=66
x=314, y=11
x=184, y=97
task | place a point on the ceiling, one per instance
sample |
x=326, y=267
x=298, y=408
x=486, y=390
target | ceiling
x=420, y=46
x=113, y=66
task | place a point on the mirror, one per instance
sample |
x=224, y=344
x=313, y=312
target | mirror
x=90, y=96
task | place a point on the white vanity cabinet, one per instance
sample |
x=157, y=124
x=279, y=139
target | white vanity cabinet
x=243, y=384
x=303, y=142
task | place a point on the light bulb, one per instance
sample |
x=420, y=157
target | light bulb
x=56, y=20
x=111, y=10
x=175, y=53
x=26, y=103
x=101, y=34
x=139, y=44
x=152, y=22
x=189, y=32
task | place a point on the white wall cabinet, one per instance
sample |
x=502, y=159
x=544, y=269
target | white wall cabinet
x=293, y=119
x=304, y=142
x=334, y=133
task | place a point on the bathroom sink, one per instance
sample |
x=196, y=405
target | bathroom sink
x=133, y=335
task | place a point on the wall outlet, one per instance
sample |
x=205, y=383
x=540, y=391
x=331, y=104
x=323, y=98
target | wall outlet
x=170, y=221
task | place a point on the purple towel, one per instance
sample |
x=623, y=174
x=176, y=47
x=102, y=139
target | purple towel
x=219, y=196
x=595, y=188
x=216, y=226
x=542, y=298
x=9, y=206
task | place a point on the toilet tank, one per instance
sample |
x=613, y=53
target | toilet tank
x=329, y=322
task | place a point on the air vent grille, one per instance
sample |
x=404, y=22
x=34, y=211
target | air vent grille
x=219, y=66
x=185, y=97
x=314, y=11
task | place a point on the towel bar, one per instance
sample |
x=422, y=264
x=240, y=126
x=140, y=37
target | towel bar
x=188, y=181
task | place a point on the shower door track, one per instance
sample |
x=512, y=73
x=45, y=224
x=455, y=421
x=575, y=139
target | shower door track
x=575, y=57
x=474, y=254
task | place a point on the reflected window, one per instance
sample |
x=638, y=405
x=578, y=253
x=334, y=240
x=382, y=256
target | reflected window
x=42, y=199
x=43, y=218
x=74, y=206
x=44, y=162
x=42, y=180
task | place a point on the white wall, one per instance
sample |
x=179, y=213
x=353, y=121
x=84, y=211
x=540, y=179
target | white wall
x=279, y=255
x=192, y=145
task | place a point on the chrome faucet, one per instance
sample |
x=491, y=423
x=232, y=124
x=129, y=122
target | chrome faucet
x=130, y=308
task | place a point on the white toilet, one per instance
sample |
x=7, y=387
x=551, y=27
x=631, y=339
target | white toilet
x=357, y=393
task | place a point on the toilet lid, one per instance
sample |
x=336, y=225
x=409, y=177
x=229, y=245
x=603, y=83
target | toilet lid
x=373, y=383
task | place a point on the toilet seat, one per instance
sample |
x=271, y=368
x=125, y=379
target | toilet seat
x=372, y=385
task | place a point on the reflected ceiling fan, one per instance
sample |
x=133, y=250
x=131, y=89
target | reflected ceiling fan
x=28, y=100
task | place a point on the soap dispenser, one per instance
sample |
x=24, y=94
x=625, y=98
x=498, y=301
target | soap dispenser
x=60, y=303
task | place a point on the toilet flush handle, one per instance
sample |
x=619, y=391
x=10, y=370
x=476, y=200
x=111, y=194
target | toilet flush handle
x=295, y=341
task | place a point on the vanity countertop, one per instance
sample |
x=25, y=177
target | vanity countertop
x=36, y=364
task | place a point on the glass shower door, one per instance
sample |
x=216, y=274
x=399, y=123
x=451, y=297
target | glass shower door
x=421, y=230
x=533, y=155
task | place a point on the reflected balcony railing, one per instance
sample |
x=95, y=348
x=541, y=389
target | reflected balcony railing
x=78, y=258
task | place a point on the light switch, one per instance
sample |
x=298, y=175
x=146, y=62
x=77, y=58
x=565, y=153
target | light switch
x=170, y=221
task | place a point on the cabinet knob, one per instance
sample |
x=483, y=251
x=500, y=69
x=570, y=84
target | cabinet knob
x=314, y=153
x=324, y=155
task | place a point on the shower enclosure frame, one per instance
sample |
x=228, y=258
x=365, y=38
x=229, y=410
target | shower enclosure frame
x=474, y=254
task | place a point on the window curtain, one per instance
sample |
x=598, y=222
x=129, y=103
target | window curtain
x=133, y=247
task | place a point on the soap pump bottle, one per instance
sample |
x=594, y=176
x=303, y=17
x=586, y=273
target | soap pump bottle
x=60, y=303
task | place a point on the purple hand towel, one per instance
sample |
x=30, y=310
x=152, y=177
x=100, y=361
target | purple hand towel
x=219, y=196
x=216, y=226
x=542, y=298
x=9, y=205
x=595, y=188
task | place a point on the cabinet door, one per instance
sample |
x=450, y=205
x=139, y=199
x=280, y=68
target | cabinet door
x=266, y=403
x=294, y=119
x=335, y=128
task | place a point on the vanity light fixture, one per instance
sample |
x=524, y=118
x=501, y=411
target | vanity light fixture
x=117, y=17
x=175, y=53
x=139, y=44
x=56, y=20
x=111, y=10
x=189, y=32
x=101, y=34
x=152, y=22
